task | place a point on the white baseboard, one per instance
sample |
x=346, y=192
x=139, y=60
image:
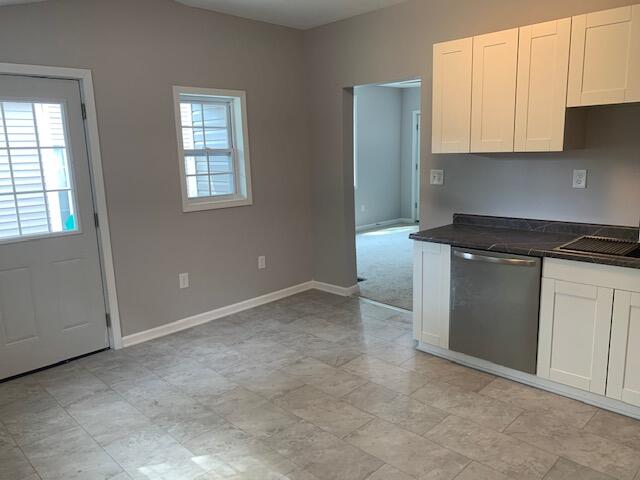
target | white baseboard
x=380, y=304
x=343, y=291
x=217, y=313
x=533, y=380
x=384, y=223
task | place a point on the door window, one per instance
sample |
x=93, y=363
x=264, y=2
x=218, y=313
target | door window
x=36, y=183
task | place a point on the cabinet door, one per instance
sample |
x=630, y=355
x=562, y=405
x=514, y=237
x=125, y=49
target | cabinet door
x=451, y=125
x=624, y=357
x=493, y=96
x=431, y=281
x=543, y=66
x=605, y=57
x=575, y=322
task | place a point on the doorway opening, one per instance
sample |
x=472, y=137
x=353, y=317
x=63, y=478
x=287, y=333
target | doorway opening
x=386, y=156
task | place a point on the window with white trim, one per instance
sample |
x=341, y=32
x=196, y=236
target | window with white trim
x=213, y=148
x=36, y=183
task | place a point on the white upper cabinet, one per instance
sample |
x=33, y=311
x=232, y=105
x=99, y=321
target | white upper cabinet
x=451, y=125
x=624, y=359
x=493, y=96
x=543, y=65
x=605, y=57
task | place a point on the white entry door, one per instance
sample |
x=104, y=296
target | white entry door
x=51, y=298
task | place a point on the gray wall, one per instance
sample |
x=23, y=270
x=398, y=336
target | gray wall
x=395, y=44
x=378, y=127
x=410, y=103
x=300, y=128
x=139, y=49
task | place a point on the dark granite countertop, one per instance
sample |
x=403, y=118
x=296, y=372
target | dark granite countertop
x=537, y=238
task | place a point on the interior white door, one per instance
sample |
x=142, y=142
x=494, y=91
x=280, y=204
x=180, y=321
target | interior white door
x=493, y=91
x=51, y=297
x=624, y=358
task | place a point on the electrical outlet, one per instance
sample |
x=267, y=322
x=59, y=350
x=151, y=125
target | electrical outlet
x=363, y=208
x=579, y=179
x=262, y=262
x=183, y=280
x=437, y=177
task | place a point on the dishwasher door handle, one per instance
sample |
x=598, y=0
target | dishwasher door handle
x=517, y=262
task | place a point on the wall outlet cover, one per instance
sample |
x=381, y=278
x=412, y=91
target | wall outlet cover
x=262, y=262
x=579, y=179
x=183, y=280
x=437, y=177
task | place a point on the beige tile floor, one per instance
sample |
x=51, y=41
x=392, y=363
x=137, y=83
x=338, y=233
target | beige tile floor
x=312, y=387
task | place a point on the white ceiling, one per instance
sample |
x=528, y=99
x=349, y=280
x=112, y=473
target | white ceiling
x=301, y=14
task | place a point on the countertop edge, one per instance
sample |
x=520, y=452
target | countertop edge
x=624, y=262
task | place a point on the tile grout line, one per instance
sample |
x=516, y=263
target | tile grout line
x=222, y=417
x=19, y=447
x=78, y=423
x=559, y=455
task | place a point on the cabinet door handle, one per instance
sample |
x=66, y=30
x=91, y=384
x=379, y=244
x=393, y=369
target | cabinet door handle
x=517, y=262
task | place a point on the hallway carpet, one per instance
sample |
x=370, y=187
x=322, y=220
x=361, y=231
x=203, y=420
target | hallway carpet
x=385, y=262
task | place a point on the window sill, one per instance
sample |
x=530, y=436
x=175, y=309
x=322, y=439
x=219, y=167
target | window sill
x=208, y=204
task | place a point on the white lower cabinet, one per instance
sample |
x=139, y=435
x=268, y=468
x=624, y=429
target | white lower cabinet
x=590, y=328
x=431, y=281
x=589, y=335
x=575, y=322
x=624, y=359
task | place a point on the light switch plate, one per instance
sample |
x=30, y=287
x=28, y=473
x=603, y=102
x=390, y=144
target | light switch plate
x=262, y=262
x=437, y=177
x=579, y=179
x=183, y=280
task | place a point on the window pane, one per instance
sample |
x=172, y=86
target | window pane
x=3, y=142
x=193, y=138
x=8, y=217
x=56, y=170
x=198, y=138
x=198, y=186
x=196, y=165
x=215, y=115
x=37, y=151
x=6, y=185
x=196, y=114
x=217, y=137
x=220, y=164
x=26, y=170
x=185, y=115
x=61, y=214
x=50, y=124
x=32, y=210
x=20, y=124
x=187, y=138
x=222, y=185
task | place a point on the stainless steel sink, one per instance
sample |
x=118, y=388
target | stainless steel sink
x=603, y=246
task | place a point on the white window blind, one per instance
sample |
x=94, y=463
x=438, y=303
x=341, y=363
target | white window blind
x=36, y=191
x=213, y=148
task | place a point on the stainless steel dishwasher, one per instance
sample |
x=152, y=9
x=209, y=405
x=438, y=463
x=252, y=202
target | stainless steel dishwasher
x=495, y=301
